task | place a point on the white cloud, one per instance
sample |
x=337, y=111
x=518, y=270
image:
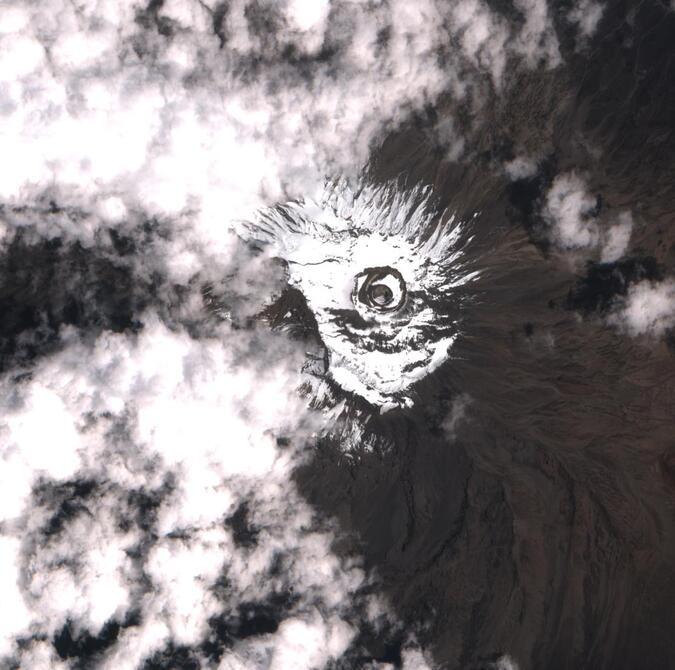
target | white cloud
x=521, y=167
x=14, y=19
x=15, y=616
x=98, y=106
x=503, y=663
x=647, y=309
x=81, y=573
x=568, y=211
x=19, y=56
x=572, y=225
x=192, y=425
x=111, y=122
x=488, y=40
x=616, y=238
x=169, y=122
x=483, y=36
x=306, y=644
x=586, y=14
x=537, y=40
x=413, y=659
x=40, y=655
x=27, y=445
x=457, y=414
x=309, y=17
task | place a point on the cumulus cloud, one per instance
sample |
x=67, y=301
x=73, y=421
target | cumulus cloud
x=521, y=167
x=457, y=414
x=506, y=663
x=586, y=15
x=616, y=238
x=125, y=462
x=537, y=40
x=111, y=109
x=647, y=309
x=14, y=619
x=414, y=659
x=488, y=40
x=147, y=499
x=120, y=108
x=570, y=213
x=568, y=210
